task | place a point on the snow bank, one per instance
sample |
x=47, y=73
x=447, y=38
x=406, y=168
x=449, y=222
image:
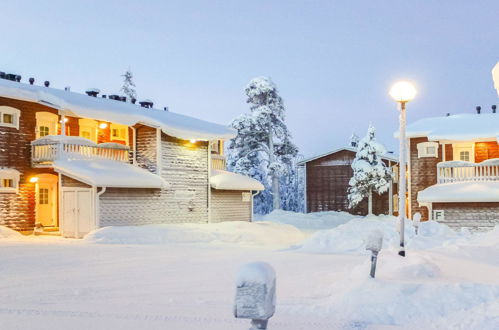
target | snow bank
x=233, y=181
x=6, y=232
x=243, y=233
x=351, y=236
x=309, y=221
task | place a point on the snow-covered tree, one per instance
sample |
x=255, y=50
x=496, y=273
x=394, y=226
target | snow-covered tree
x=128, y=87
x=263, y=147
x=370, y=173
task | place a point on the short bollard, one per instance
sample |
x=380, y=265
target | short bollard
x=416, y=221
x=374, y=243
x=255, y=294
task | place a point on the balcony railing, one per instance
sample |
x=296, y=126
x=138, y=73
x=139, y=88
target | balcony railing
x=46, y=150
x=460, y=171
x=218, y=162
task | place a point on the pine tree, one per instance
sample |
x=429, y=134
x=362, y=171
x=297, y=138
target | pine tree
x=263, y=147
x=128, y=87
x=369, y=171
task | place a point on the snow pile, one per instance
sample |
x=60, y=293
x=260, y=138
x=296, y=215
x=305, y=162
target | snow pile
x=236, y=232
x=351, y=236
x=225, y=180
x=309, y=221
x=6, y=232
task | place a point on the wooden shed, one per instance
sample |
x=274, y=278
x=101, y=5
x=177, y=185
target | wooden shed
x=326, y=184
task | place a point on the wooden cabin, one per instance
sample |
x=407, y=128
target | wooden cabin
x=326, y=184
x=71, y=163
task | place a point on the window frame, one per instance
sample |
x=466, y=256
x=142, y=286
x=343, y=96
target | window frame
x=457, y=148
x=46, y=119
x=121, y=129
x=15, y=113
x=423, y=149
x=9, y=174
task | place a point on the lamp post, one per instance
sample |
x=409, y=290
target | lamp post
x=402, y=92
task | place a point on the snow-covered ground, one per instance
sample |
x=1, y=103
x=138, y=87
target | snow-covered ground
x=183, y=276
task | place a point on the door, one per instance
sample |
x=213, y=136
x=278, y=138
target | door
x=46, y=201
x=78, y=212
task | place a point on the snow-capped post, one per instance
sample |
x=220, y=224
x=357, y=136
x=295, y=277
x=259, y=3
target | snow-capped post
x=374, y=243
x=402, y=92
x=370, y=174
x=416, y=221
x=255, y=294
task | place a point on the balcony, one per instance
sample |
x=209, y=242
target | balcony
x=45, y=150
x=460, y=171
x=218, y=162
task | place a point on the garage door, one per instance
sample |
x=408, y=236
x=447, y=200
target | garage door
x=77, y=212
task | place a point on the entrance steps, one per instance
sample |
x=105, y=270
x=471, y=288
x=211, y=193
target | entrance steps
x=47, y=231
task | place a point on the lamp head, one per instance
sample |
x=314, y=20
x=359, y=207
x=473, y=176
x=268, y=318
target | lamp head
x=403, y=91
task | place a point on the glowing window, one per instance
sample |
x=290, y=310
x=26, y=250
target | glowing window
x=9, y=117
x=43, y=196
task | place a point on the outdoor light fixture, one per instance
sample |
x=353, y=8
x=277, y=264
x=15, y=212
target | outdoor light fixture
x=402, y=92
x=33, y=179
x=192, y=140
x=65, y=120
x=103, y=125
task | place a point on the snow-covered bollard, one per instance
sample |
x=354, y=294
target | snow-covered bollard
x=255, y=294
x=374, y=243
x=416, y=221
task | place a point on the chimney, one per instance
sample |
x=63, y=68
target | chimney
x=46, y=83
x=123, y=98
x=166, y=109
x=67, y=88
x=478, y=108
x=2, y=74
x=18, y=78
x=104, y=96
x=134, y=100
x=31, y=81
x=93, y=92
x=115, y=97
x=448, y=114
x=493, y=108
x=10, y=76
x=146, y=103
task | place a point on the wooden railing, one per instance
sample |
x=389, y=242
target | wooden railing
x=218, y=162
x=460, y=171
x=45, y=154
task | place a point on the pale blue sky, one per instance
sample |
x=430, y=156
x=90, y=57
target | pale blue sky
x=333, y=61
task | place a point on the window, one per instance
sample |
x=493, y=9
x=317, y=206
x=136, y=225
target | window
x=46, y=124
x=464, y=155
x=119, y=132
x=43, y=196
x=9, y=180
x=9, y=117
x=427, y=149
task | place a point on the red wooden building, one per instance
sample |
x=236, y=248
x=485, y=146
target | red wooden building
x=326, y=184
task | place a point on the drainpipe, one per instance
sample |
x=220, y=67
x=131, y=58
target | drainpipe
x=209, y=184
x=134, y=146
x=252, y=198
x=97, y=206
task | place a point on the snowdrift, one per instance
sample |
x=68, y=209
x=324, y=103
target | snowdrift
x=6, y=232
x=309, y=221
x=237, y=232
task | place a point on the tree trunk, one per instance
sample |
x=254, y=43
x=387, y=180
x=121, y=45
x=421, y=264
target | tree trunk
x=276, y=198
x=370, y=203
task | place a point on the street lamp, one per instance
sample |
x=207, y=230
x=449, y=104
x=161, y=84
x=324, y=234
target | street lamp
x=402, y=92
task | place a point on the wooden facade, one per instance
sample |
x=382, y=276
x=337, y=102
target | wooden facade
x=327, y=180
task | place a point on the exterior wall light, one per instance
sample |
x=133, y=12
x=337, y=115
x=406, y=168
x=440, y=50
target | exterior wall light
x=103, y=125
x=192, y=140
x=33, y=179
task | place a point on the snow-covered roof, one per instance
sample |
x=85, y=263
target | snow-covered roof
x=386, y=156
x=80, y=105
x=109, y=173
x=460, y=192
x=54, y=139
x=225, y=180
x=460, y=127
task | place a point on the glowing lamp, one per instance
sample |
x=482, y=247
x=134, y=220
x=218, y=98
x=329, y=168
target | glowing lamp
x=103, y=125
x=33, y=179
x=192, y=140
x=403, y=91
x=65, y=120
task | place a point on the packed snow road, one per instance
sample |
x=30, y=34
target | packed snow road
x=185, y=279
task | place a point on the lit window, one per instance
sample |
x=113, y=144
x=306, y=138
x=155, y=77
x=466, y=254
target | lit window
x=9, y=117
x=9, y=180
x=44, y=131
x=46, y=124
x=119, y=132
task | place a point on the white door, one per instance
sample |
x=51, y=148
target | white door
x=78, y=212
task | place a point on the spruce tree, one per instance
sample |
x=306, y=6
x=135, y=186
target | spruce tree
x=370, y=173
x=128, y=87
